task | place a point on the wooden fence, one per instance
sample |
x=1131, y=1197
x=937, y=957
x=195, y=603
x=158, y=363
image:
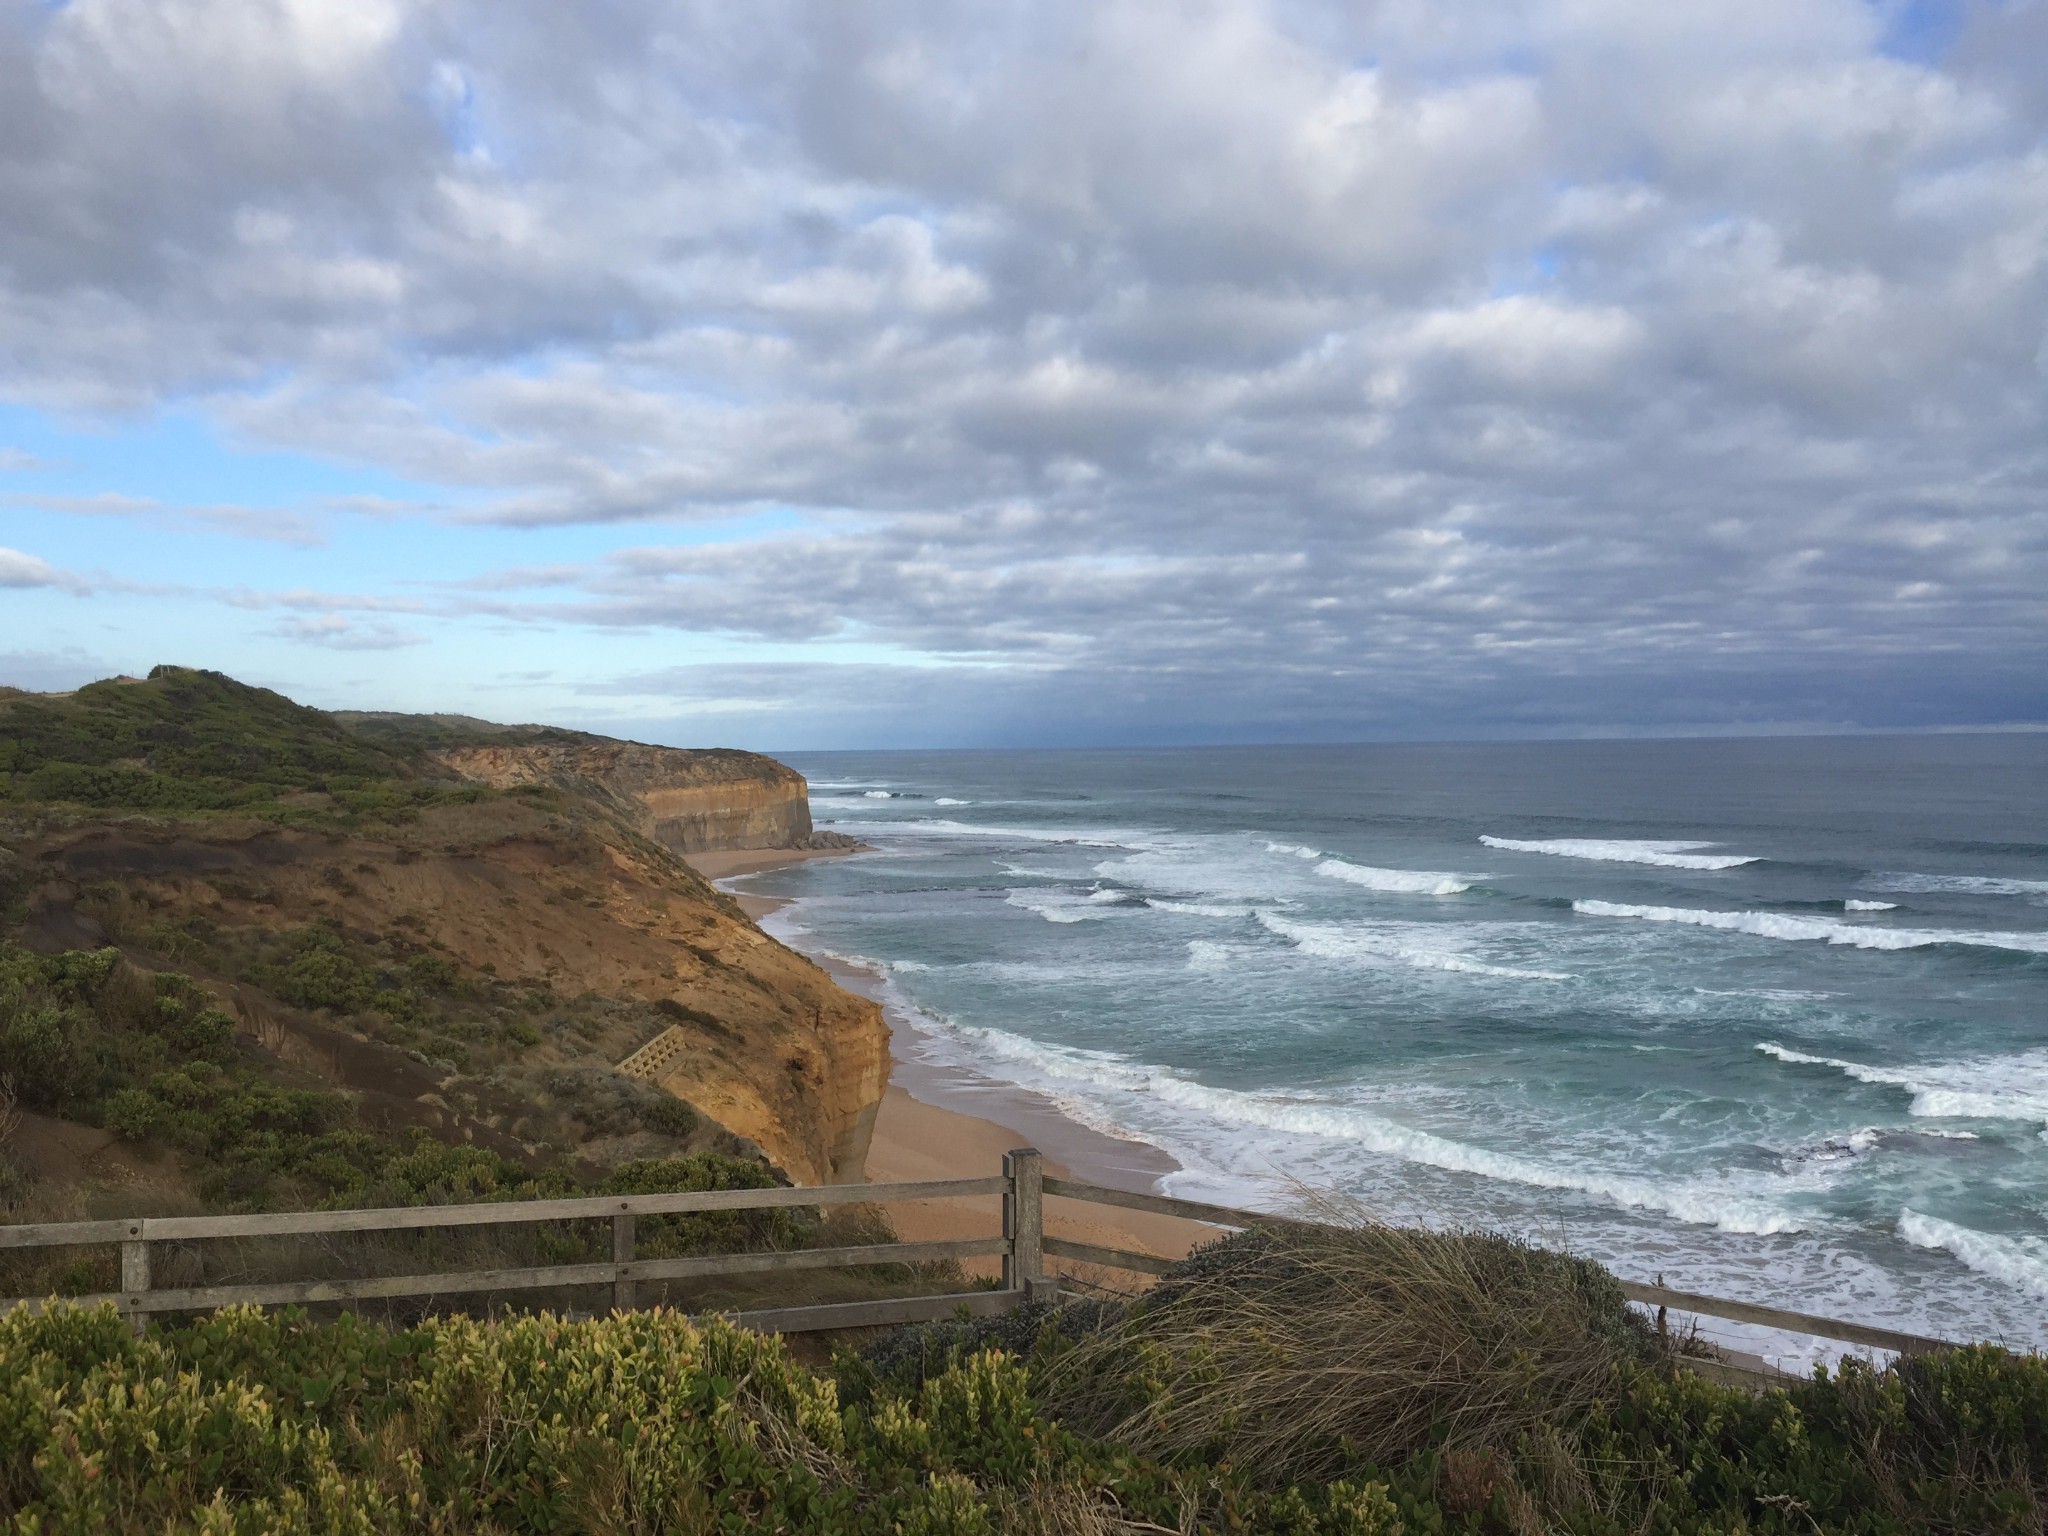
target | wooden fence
x=1023, y=1245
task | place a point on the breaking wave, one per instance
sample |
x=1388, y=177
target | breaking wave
x=1961, y=885
x=939, y=826
x=2016, y=1259
x=1782, y=925
x=1870, y=906
x=1979, y=1088
x=1420, y=945
x=1057, y=906
x=1062, y=1070
x=949, y=800
x=1668, y=855
x=1425, y=882
x=1299, y=850
x=1196, y=908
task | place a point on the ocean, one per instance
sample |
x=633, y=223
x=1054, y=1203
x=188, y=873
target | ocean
x=1766, y=1018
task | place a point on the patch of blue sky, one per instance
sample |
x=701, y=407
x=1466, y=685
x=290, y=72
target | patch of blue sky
x=1920, y=31
x=179, y=457
x=1528, y=273
x=175, y=472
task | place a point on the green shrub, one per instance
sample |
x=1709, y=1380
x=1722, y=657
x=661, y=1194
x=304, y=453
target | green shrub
x=151, y=1058
x=182, y=740
x=649, y=1422
x=322, y=973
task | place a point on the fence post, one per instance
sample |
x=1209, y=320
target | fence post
x=622, y=1255
x=134, y=1278
x=1023, y=1217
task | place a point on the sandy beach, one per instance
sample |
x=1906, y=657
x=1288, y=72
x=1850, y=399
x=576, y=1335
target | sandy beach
x=940, y=1124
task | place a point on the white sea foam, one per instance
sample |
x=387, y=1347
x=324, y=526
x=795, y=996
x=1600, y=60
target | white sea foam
x=1057, y=906
x=949, y=800
x=1197, y=908
x=1424, y=946
x=1961, y=885
x=940, y=826
x=908, y=966
x=1784, y=925
x=1061, y=1071
x=1614, y=850
x=1299, y=850
x=2017, y=1259
x=1425, y=882
x=1837, y=1149
x=878, y=794
x=1211, y=868
x=1976, y=1088
x=1853, y=905
x=1206, y=956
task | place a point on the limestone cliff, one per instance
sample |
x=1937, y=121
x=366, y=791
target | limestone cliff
x=757, y=1037
x=688, y=800
x=473, y=960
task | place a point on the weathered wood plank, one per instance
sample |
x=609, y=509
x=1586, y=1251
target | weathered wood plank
x=1023, y=1217
x=622, y=1255
x=135, y=1281
x=207, y=1298
x=487, y=1214
x=1731, y=1375
x=468, y=1282
x=796, y=1259
x=1109, y=1258
x=876, y=1314
x=1775, y=1317
x=64, y=1234
x=1162, y=1205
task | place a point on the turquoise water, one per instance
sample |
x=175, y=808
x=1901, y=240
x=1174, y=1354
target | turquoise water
x=1769, y=1018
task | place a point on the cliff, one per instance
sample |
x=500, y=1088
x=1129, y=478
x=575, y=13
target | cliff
x=468, y=938
x=688, y=800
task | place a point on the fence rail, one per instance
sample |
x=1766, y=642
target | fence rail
x=1023, y=1246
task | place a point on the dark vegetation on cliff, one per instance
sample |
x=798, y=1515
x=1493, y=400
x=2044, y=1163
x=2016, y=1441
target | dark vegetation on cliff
x=184, y=740
x=1249, y=1393
x=252, y=958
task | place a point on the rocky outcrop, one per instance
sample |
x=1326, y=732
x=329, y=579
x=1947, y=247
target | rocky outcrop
x=688, y=800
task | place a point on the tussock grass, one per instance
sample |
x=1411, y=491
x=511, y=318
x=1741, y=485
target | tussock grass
x=1298, y=1352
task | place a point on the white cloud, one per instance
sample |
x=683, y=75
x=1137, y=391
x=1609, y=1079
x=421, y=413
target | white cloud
x=1237, y=336
x=24, y=570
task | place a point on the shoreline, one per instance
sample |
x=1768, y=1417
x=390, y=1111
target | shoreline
x=939, y=1122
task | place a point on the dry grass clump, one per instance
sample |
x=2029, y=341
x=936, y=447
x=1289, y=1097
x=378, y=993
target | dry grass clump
x=1300, y=1352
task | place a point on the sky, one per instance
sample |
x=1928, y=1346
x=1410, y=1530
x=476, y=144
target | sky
x=798, y=374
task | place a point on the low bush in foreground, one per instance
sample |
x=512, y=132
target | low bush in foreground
x=647, y=1422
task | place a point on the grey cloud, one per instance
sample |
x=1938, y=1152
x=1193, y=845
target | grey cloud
x=338, y=633
x=1584, y=358
x=270, y=524
x=21, y=569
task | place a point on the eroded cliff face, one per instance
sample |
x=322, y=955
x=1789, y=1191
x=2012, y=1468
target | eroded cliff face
x=524, y=893
x=688, y=800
